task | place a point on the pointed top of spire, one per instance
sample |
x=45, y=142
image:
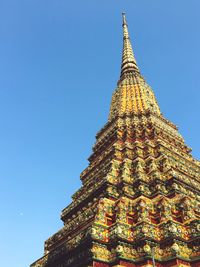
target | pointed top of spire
x=133, y=96
x=129, y=64
x=124, y=18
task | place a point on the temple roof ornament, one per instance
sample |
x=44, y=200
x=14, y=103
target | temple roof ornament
x=129, y=64
x=133, y=95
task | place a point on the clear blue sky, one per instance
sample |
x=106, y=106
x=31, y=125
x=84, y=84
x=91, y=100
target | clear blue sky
x=59, y=64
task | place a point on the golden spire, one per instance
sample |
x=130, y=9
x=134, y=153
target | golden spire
x=129, y=64
x=133, y=95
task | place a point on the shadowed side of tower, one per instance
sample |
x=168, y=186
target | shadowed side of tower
x=138, y=203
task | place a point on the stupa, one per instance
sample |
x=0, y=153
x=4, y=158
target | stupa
x=138, y=203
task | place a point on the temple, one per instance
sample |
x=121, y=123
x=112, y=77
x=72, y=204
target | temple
x=138, y=203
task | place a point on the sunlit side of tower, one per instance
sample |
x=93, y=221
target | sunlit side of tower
x=138, y=203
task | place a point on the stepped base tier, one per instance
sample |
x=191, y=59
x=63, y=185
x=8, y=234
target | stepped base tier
x=139, y=200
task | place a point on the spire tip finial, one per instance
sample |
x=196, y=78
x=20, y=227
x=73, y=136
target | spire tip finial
x=129, y=64
x=124, y=18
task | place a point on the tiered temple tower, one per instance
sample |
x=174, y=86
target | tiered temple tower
x=138, y=203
